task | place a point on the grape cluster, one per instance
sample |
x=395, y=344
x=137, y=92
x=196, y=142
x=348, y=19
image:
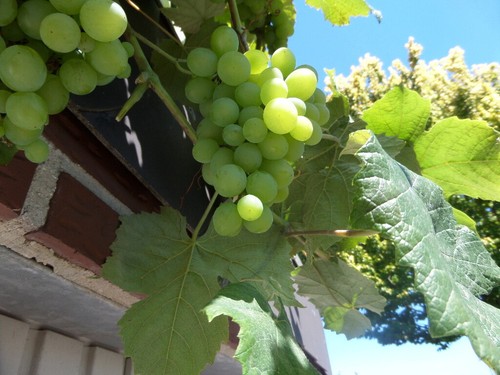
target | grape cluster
x=258, y=114
x=268, y=22
x=49, y=50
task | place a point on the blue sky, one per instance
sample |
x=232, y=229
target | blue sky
x=438, y=25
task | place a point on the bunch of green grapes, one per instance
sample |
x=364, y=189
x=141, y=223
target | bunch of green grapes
x=269, y=22
x=49, y=50
x=258, y=115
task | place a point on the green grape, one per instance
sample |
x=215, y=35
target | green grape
x=22, y=68
x=208, y=174
x=301, y=83
x=324, y=114
x=280, y=115
x=27, y=110
x=316, y=136
x=71, y=7
x=207, y=129
x=263, y=185
x=280, y=169
x=300, y=105
x=312, y=69
x=226, y=220
x=108, y=58
x=303, y=130
x=37, y=151
x=103, y=20
x=230, y=180
x=223, y=91
x=20, y=136
x=125, y=73
x=258, y=60
x=284, y=31
x=202, y=62
x=272, y=89
x=225, y=111
x=248, y=113
x=55, y=94
x=233, y=68
x=205, y=108
x=31, y=14
x=319, y=96
x=283, y=59
x=295, y=149
x=221, y=157
x=204, y=149
x=224, y=39
x=312, y=112
x=87, y=44
x=13, y=33
x=274, y=146
x=78, y=76
x=4, y=95
x=267, y=74
x=199, y=90
x=255, y=130
x=60, y=32
x=249, y=207
x=262, y=224
x=8, y=11
x=247, y=94
x=282, y=195
x=248, y=156
x=129, y=48
x=103, y=79
x=232, y=135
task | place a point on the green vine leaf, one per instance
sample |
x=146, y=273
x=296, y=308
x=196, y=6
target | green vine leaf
x=338, y=290
x=339, y=12
x=452, y=267
x=267, y=345
x=401, y=112
x=462, y=157
x=190, y=14
x=153, y=255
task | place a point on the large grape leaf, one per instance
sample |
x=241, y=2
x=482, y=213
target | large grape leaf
x=267, y=345
x=339, y=12
x=452, y=267
x=462, y=157
x=401, y=112
x=190, y=14
x=338, y=291
x=167, y=333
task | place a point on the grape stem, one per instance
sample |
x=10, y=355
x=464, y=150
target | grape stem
x=136, y=95
x=237, y=25
x=196, y=230
x=154, y=22
x=152, y=80
x=330, y=137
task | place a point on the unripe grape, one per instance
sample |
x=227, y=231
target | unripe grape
x=316, y=135
x=224, y=39
x=31, y=14
x=221, y=157
x=248, y=94
x=262, y=224
x=199, y=90
x=232, y=135
x=27, y=110
x=280, y=115
x=263, y=185
x=274, y=146
x=301, y=83
x=204, y=149
x=37, y=151
x=103, y=20
x=78, y=77
x=248, y=156
x=230, y=180
x=226, y=220
x=60, y=32
x=280, y=169
x=8, y=11
x=267, y=74
x=248, y=113
x=20, y=136
x=55, y=94
x=272, y=89
x=255, y=130
x=300, y=105
x=303, y=130
x=202, y=62
x=223, y=91
x=283, y=59
x=233, y=68
x=224, y=111
x=108, y=58
x=22, y=68
x=250, y=207
x=258, y=60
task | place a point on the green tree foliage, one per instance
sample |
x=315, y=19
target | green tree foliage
x=452, y=89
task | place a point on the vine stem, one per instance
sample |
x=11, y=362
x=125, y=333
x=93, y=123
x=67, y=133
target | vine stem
x=153, y=81
x=330, y=137
x=237, y=25
x=196, y=230
x=333, y=232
